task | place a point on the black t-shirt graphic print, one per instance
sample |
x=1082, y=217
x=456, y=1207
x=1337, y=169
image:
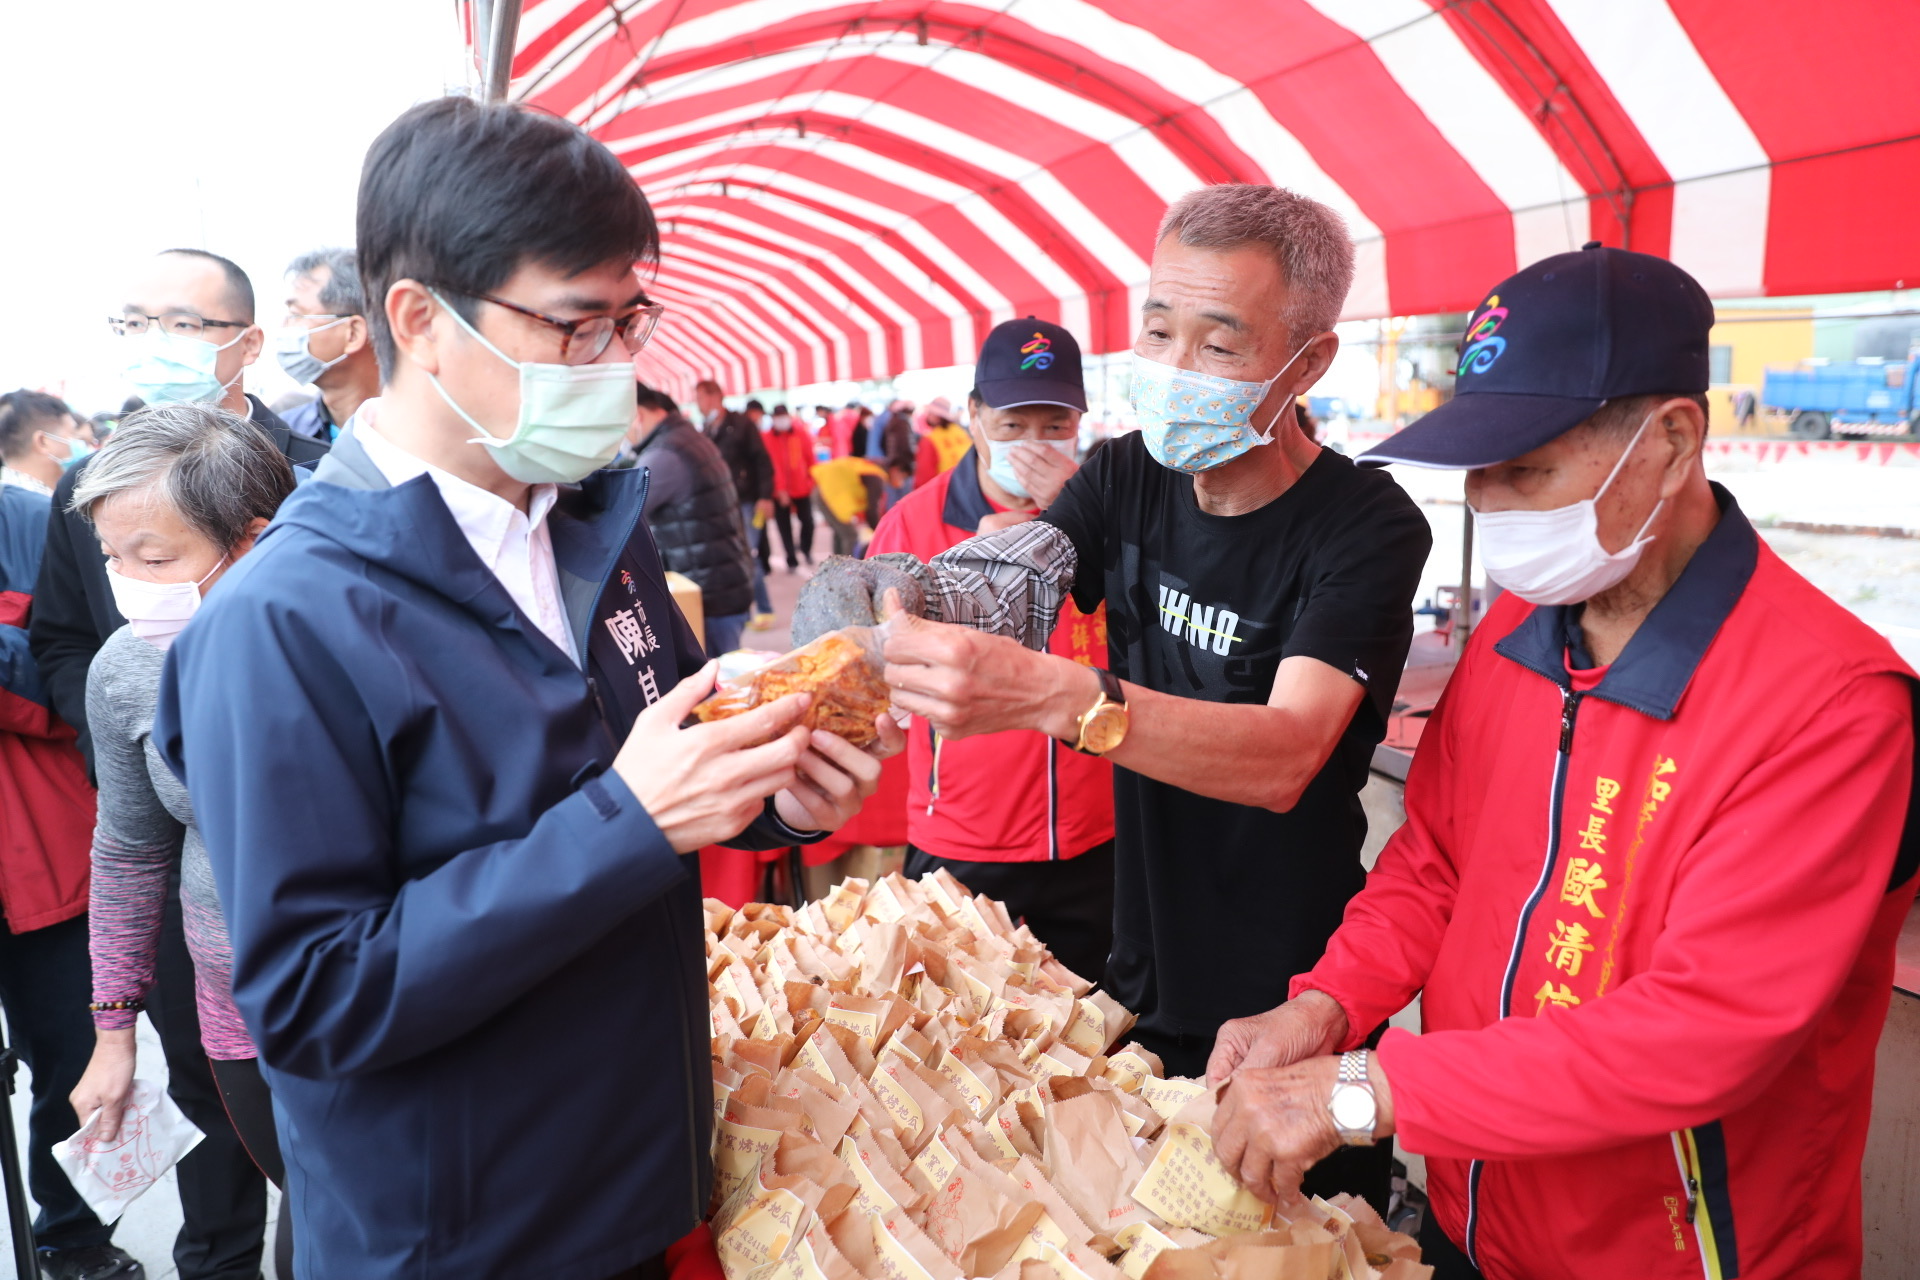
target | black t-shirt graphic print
x=1218, y=905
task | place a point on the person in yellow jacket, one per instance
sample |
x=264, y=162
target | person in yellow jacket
x=942, y=445
x=848, y=493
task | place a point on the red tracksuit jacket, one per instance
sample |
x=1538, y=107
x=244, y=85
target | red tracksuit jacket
x=1018, y=796
x=1652, y=909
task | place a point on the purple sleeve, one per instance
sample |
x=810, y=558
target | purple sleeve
x=136, y=842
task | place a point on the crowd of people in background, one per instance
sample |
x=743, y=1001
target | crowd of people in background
x=389, y=835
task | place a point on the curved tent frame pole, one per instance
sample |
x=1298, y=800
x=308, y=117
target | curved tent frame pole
x=501, y=19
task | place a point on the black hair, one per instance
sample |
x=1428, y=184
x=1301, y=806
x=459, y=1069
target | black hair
x=780, y=409
x=755, y=404
x=239, y=287
x=460, y=194
x=132, y=404
x=23, y=413
x=653, y=398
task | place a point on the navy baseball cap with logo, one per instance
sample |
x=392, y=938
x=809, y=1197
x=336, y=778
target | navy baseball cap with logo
x=1030, y=362
x=1553, y=343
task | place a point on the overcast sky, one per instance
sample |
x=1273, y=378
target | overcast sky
x=238, y=126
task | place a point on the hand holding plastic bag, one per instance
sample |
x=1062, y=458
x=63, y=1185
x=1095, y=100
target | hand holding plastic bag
x=110, y=1175
x=843, y=671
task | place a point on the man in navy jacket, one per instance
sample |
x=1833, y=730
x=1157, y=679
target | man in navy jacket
x=431, y=729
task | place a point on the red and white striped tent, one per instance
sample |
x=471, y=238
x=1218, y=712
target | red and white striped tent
x=849, y=190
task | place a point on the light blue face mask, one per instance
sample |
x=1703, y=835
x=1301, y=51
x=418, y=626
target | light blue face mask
x=573, y=417
x=77, y=451
x=1000, y=460
x=171, y=368
x=1194, y=422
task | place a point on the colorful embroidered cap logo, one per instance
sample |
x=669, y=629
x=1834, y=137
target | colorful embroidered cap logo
x=1481, y=348
x=1036, y=354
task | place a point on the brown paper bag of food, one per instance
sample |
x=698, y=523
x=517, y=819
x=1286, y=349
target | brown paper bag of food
x=1090, y=1156
x=937, y=1161
x=766, y=1214
x=1143, y=1242
x=1097, y=1022
x=914, y=1105
x=1188, y=1186
x=851, y=1233
x=829, y=1109
x=749, y=1127
x=882, y=1189
x=1168, y=1097
x=1027, y=1174
x=979, y=1089
x=883, y=958
x=905, y=1253
x=1065, y=1231
x=965, y=1209
x=1382, y=1245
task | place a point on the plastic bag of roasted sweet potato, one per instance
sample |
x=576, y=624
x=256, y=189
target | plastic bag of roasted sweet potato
x=843, y=670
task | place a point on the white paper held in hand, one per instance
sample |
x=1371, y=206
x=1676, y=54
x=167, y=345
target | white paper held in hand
x=154, y=1134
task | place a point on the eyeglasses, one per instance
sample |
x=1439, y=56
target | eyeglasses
x=185, y=323
x=582, y=341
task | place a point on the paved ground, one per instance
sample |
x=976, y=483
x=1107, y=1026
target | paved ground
x=151, y=1222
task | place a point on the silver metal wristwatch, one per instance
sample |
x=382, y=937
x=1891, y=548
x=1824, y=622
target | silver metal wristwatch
x=1353, y=1108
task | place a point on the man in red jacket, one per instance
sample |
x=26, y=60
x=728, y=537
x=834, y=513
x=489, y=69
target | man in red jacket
x=1658, y=846
x=1018, y=815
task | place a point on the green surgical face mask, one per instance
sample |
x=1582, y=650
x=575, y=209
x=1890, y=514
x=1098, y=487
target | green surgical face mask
x=573, y=417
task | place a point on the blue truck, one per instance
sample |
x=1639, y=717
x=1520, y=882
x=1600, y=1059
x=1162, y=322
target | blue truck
x=1858, y=398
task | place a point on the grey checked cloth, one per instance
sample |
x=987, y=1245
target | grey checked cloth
x=1010, y=582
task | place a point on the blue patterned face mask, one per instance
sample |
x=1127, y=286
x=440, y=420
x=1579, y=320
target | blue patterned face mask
x=1197, y=421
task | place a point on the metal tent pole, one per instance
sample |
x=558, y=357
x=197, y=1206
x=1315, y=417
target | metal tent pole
x=19, y=1223
x=1463, y=621
x=502, y=35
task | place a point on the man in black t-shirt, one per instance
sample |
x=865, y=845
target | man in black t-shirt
x=1258, y=592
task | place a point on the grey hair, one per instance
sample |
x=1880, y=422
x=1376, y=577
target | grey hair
x=1623, y=416
x=212, y=466
x=1309, y=240
x=341, y=295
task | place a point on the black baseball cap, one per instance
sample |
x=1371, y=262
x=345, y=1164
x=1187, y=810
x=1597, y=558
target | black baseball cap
x=1553, y=343
x=1030, y=362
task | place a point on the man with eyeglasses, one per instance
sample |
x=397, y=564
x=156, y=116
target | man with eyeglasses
x=468, y=942
x=325, y=342
x=186, y=331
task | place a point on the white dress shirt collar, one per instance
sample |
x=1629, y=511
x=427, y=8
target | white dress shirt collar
x=516, y=546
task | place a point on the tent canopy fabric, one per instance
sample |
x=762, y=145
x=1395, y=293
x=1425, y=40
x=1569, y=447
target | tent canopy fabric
x=850, y=190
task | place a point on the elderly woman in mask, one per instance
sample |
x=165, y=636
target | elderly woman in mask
x=177, y=497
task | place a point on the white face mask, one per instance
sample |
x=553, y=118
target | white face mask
x=157, y=611
x=1000, y=460
x=1555, y=557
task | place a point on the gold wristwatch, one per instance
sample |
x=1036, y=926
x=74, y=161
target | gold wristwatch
x=1104, y=726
